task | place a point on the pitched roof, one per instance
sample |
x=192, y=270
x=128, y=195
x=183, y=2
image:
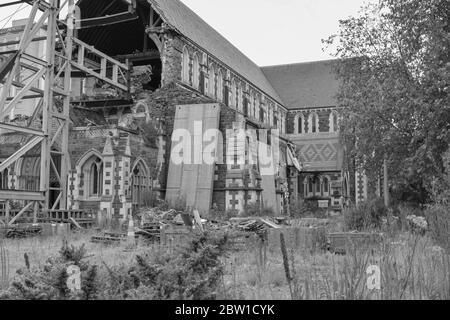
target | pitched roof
x=303, y=85
x=182, y=19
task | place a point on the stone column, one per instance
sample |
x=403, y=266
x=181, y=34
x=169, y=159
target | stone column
x=125, y=181
x=361, y=186
x=106, y=205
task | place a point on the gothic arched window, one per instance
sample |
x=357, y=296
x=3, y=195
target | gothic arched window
x=275, y=120
x=317, y=186
x=186, y=66
x=262, y=113
x=96, y=178
x=326, y=186
x=255, y=106
x=212, y=82
x=333, y=122
x=309, y=186
x=140, y=184
x=91, y=177
x=233, y=93
x=313, y=123
x=219, y=86
x=239, y=97
x=196, y=72
x=300, y=124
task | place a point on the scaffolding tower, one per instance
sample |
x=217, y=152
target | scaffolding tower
x=50, y=134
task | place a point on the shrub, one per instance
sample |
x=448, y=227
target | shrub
x=180, y=203
x=50, y=281
x=403, y=211
x=438, y=217
x=438, y=214
x=300, y=209
x=256, y=210
x=365, y=216
x=252, y=209
x=195, y=273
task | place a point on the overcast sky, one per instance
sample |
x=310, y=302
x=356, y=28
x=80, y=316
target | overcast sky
x=268, y=31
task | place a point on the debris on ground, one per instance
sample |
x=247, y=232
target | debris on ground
x=340, y=242
x=21, y=231
x=310, y=223
x=110, y=238
x=254, y=224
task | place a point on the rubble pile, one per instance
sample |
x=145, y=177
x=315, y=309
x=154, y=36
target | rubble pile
x=157, y=225
x=20, y=231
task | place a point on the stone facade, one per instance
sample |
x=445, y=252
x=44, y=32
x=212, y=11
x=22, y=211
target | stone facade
x=314, y=131
x=120, y=142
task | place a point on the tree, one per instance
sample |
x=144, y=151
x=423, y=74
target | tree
x=394, y=69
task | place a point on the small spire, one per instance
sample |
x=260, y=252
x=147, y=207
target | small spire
x=128, y=147
x=108, y=150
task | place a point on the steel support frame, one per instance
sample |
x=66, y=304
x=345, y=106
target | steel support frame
x=50, y=142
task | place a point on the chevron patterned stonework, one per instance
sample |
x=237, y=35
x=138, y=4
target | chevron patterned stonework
x=319, y=152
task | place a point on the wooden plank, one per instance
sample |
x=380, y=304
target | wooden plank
x=33, y=59
x=21, y=195
x=81, y=55
x=75, y=223
x=97, y=75
x=103, y=65
x=32, y=89
x=147, y=55
x=41, y=5
x=32, y=96
x=270, y=223
x=11, y=127
x=57, y=199
x=108, y=20
x=28, y=206
x=12, y=3
x=99, y=53
x=198, y=220
x=115, y=73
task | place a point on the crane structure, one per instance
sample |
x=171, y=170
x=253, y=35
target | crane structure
x=47, y=131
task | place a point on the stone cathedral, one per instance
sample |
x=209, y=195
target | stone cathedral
x=184, y=71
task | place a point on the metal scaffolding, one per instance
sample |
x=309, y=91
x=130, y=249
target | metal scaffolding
x=55, y=71
x=52, y=135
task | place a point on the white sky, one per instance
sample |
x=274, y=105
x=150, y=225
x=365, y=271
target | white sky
x=268, y=31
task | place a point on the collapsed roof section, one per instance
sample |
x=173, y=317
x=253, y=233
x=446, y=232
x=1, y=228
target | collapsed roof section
x=118, y=29
x=115, y=27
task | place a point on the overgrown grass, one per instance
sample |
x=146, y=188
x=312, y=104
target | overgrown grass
x=412, y=267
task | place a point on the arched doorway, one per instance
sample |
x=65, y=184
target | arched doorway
x=28, y=177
